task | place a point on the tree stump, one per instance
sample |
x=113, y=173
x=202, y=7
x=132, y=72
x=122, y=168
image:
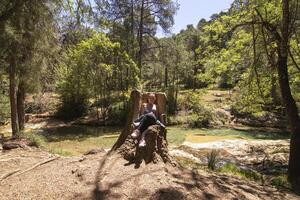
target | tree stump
x=156, y=137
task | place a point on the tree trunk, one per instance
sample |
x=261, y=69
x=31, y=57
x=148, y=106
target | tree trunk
x=13, y=96
x=195, y=71
x=294, y=123
x=155, y=136
x=288, y=100
x=21, y=106
x=133, y=114
x=140, y=38
x=166, y=76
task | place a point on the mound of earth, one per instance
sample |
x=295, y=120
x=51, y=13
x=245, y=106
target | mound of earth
x=36, y=174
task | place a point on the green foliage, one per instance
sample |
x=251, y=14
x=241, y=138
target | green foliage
x=92, y=69
x=4, y=109
x=232, y=169
x=61, y=152
x=201, y=116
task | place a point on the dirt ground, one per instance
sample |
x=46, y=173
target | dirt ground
x=99, y=176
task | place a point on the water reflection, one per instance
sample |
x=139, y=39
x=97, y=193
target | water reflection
x=79, y=133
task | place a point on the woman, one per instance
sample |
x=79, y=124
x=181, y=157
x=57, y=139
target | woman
x=148, y=118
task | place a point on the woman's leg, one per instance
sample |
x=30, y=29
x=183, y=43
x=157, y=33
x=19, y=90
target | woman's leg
x=148, y=120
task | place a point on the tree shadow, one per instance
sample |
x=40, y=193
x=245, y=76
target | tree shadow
x=104, y=190
x=78, y=133
x=191, y=179
x=168, y=194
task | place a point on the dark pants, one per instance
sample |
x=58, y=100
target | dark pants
x=147, y=120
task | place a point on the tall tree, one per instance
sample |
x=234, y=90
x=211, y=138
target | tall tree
x=25, y=36
x=141, y=19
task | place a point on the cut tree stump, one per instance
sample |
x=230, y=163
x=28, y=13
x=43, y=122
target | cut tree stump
x=156, y=149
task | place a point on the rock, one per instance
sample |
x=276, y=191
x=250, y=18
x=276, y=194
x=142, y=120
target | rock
x=94, y=151
x=16, y=143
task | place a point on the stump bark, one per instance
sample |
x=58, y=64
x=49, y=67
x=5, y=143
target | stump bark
x=156, y=149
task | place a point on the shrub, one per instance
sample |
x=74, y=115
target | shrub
x=213, y=159
x=118, y=116
x=73, y=107
x=201, y=117
x=280, y=181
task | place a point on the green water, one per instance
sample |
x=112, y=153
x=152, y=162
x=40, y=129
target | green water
x=84, y=138
x=81, y=133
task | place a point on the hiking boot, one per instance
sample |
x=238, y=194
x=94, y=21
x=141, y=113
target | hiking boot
x=136, y=124
x=142, y=143
x=135, y=134
x=160, y=124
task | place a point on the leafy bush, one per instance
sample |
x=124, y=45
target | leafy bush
x=201, y=117
x=198, y=116
x=118, y=116
x=73, y=107
x=89, y=72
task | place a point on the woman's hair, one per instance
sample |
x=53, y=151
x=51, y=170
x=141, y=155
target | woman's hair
x=151, y=95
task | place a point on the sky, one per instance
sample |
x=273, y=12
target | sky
x=191, y=11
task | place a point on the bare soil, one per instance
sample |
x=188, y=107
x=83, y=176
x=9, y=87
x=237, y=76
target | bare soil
x=99, y=176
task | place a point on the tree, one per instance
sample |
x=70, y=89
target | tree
x=141, y=18
x=92, y=69
x=269, y=28
x=25, y=35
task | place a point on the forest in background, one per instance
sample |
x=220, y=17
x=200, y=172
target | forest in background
x=89, y=55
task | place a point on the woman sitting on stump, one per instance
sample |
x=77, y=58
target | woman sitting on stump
x=148, y=118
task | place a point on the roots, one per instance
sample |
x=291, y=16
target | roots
x=156, y=147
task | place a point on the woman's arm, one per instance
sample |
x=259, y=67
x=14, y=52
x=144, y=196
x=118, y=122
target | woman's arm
x=142, y=110
x=154, y=110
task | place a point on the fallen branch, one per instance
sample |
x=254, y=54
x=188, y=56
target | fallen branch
x=9, y=174
x=39, y=164
x=31, y=168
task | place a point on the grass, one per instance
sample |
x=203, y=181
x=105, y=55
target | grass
x=232, y=169
x=60, y=151
x=36, y=139
x=281, y=181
